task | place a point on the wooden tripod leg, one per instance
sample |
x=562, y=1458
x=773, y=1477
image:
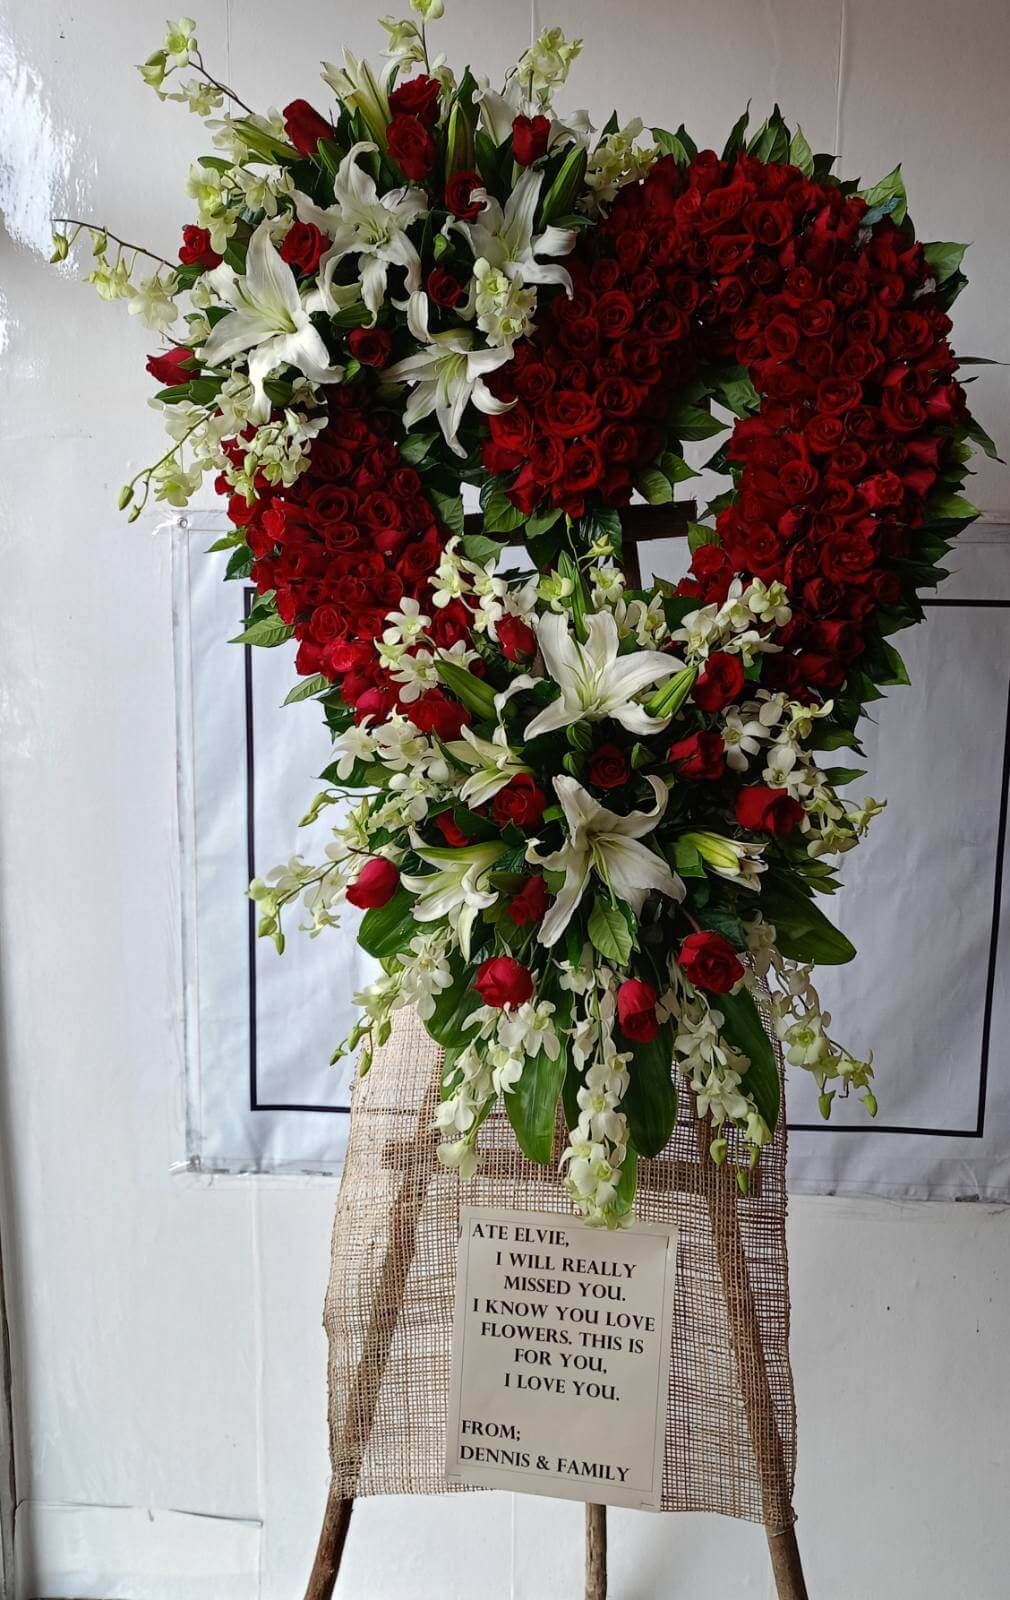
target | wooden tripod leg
x=386, y=1306
x=596, y=1552
x=745, y=1336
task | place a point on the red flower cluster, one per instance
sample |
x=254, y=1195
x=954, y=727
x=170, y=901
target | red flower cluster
x=341, y=547
x=753, y=263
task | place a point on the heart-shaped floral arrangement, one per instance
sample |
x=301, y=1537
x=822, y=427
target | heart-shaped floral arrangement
x=585, y=818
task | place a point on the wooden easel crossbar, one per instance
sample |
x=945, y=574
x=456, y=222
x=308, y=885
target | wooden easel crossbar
x=642, y=524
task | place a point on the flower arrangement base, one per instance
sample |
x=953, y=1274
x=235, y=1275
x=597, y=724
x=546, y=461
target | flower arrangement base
x=730, y=1424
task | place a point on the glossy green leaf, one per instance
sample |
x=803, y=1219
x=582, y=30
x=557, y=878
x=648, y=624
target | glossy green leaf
x=745, y=1031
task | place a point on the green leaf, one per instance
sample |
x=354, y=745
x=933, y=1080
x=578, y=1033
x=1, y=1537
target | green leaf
x=267, y=632
x=745, y=1031
x=563, y=192
x=675, y=467
x=951, y=508
x=672, y=144
x=698, y=535
x=803, y=932
x=239, y=563
x=532, y=1106
x=307, y=688
x=800, y=153
x=477, y=547
x=736, y=137
x=650, y=1104
x=890, y=188
x=693, y=422
x=718, y=920
x=977, y=433
x=415, y=446
x=227, y=541
x=738, y=395
x=449, y=508
x=447, y=1023
x=500, y=515
x=386, y=930
x=609, y=932
x=541, y=522
x=624, y=1198
x=655, y=486
x=896, y=669
x=944, y=259
x=687, y=859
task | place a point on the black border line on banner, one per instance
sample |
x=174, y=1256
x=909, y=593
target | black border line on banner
x=977, y=1132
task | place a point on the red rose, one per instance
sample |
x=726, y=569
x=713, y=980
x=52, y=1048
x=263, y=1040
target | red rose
x=443, y=288
x=764, y=810
x=417, y=98
x=375, y=884
x=568, y=412
x=608, y=767
x=710, y=962
x=502, y=981
x=305, y=127
x=521, y=801
x=720, y=684
x=517, y=639
x=434, y=713
x=168, y=367
x=636, y=1010
x=529, y=904
x=302, y=246
x=370, y=346
x=459, y=195
x=450, y=830
x=529, y=139
x=700, y=755
x=411, y=146
x=195, y=250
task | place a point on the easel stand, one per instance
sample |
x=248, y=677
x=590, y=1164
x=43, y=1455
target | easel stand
x=641, y=523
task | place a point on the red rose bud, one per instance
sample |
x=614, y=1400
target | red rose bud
x=502, y=981
x=168, y=367
x=529, y=138
x=302, y=246
x=450, y=830
x=701, y=755
x=721, y=683
x=608, y=767
x=370, y=346
x=417, y=98
x=195, y=250
x=636, y=1010
x=521, y=802
x=710, y=962
x=459, y=195
x=305, y=127
x=765, y=810
x=529, y=904
x=411, y=146
x=375, y=884
x=443, y=288
x=517, y=639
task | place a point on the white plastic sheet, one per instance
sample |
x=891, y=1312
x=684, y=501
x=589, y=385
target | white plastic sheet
x=923, y=901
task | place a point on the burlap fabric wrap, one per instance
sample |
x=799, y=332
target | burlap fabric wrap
x=730, y=1430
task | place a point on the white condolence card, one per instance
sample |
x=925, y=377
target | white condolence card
x=561, y=1356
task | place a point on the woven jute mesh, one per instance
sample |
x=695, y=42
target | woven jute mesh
x=730, y=1424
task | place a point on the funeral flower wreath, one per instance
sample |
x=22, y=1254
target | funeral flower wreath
x=585, y=818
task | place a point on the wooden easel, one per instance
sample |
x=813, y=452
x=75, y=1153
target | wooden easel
x=642, y=524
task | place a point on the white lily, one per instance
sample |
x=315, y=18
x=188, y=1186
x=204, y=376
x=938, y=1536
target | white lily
x=447, y=373
x=357, y=87
x=494, y=761
x=595, y=681
x=458, y=888
x=506, y=239
x=606, y=843
x=268, y=320
x=371, y=226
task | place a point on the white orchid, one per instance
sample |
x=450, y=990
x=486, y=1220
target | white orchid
x=371, y=226
x=459, y=886
x=595, y=681
x=268, y=320
x=604, y=842
x=447, y=373
x=494, y=761
x=505, y=239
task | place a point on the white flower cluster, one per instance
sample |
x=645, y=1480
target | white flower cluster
x=734, y=627
x=598, y=1144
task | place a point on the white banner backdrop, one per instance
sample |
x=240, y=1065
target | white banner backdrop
x=923, y=901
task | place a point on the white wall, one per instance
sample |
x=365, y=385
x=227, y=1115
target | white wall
x=167, y=1334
